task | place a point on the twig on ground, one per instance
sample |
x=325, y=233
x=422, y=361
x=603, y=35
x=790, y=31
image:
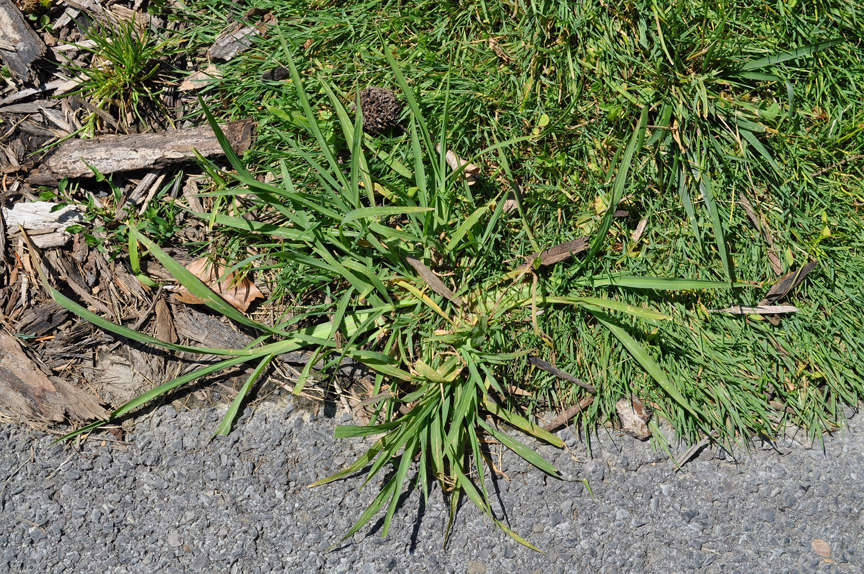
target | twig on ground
x=553, y=370
x=565, y=417
x=692, y=452
x=838, y=164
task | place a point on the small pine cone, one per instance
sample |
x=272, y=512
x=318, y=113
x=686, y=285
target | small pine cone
x=381, y=110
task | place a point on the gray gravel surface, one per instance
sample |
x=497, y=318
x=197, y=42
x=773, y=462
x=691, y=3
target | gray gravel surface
x=169, y=500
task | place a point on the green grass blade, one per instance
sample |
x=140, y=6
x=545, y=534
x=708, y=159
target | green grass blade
x=775, y=59
x=228, y=420
x=521, y=423
x=312, y=121
x=410, y=99
x=135, y=262
x=230, y=154
x=655, y=283
x=646, y=361
x=419, y=167
x=517, y=197
x=355, y=467
x=757, y=145
x=401, y=473
x=173, y=384
x=618, y=188
x=375, y=212
x=257, y=227
x=352, y=431
x=79, y=431
x=388, y=490
x=686, y=201
x=465, y=227
x=519, y=448
x=197, y=287
x=594, y=303
x=353, y=134
x=131, y=334
x=387, y=158
x=515, y=536
x=716, y=222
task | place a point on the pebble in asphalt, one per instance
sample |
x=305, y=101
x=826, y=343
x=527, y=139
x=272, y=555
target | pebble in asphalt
x=171, y=500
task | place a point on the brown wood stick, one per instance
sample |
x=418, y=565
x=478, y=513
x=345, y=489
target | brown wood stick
x=565, y=417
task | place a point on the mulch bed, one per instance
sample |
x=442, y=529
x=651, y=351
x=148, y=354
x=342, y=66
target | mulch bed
x=56, y=367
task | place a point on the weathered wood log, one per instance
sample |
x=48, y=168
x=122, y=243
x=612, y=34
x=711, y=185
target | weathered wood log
x=118, y=153
x=20, y=46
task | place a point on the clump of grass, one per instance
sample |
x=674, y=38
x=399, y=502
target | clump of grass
x=126, y=75
x=439, y=349
x=670, y=112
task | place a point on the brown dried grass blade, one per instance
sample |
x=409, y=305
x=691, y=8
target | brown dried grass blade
x=555, y=254
x=433, y=281
x=786, y=284
x=553, y=370
x=758, y=310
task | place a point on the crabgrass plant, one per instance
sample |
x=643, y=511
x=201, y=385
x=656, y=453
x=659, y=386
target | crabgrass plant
x=439, y=351
x=673, y=112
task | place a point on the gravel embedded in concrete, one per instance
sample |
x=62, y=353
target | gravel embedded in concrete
x=173, y=501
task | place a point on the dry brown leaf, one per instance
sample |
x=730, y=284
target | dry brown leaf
x=634, y=416
x=786, y=284
x=821, y=547
x=510, y=205
x=200, y=79
x=240, y=294
x=455, y=162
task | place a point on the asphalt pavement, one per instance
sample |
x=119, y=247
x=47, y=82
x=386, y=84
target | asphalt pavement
x=168, y=499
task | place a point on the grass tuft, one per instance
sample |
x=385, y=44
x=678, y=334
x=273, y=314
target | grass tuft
x=701, y=149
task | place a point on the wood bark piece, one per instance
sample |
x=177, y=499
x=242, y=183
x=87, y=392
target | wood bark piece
x=119, y=153
x=26, y=393
x=20, y=46
x=42, y=319
x=45, y=227
x=238, y=38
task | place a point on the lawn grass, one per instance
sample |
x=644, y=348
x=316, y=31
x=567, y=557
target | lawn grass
x=573, y=79
x=677, y=114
